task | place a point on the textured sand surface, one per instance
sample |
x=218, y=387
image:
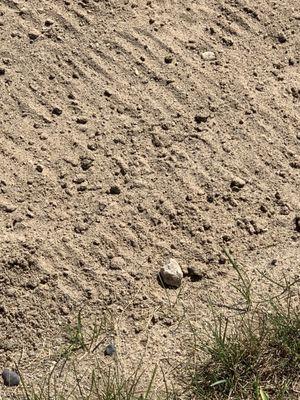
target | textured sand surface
x=121, y=147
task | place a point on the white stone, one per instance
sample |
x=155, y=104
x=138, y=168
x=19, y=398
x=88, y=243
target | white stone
x=171, y=273
x=208, y=55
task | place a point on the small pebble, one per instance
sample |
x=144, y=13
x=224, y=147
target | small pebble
x=2, y=71
x=81, y=120
x=110, y=350
x=49, y=22
x=56, y=111
x=107, y=93
x=39, y=168
x=10, y=378
x=203, y=117
x=33, y=35
x=281, y=38
x=114, y=190
x=171, y=273
x=168, y=59
x=237, y=183
x=208, y=56
x=222, y=260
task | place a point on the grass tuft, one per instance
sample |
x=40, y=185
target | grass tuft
x=256, y=355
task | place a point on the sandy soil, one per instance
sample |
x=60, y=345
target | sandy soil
x=121, y=147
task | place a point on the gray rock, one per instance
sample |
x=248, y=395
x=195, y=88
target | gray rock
x=10, y=378
x=171, y=273
x=110, y=350
x=208, y=56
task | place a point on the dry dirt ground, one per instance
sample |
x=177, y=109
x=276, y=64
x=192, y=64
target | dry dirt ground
x=121, y=147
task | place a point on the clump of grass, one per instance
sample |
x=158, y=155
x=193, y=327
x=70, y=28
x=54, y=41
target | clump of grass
x=79, y=372
x=79, y=338
x=97, y=384
x=92, y=384
x=261, y=351
x=256, y=355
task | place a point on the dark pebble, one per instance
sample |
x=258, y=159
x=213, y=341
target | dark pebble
x=49, y=22
x=57, y=111
x=210, y=198
x=281, y=38
x=81, y=120
x=10, y=378
x=115, y=190
x=201, y=118
x=107, y=93
x=222, y=260
x=39, y=168
x=2, y=71
x=110, y=350
x=33, y=35
x=168, y=59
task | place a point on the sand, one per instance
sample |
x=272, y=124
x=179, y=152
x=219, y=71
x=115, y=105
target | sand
x=123, y=145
